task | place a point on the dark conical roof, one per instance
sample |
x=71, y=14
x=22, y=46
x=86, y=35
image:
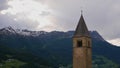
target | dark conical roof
x=81, y=29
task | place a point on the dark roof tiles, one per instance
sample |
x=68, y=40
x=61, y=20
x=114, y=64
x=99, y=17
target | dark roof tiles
x=81, y=29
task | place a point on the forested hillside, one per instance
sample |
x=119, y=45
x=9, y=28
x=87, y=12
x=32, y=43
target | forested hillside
x=40, y=49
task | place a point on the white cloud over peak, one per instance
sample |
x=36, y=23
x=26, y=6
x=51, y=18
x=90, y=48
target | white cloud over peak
x=31, y=12
x=115, y=41
x=63, y=15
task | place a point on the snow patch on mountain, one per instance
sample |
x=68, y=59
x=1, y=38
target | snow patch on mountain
x=61, y=34
x=10, y=30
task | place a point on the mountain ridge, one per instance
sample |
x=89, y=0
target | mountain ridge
x=25, y=32
x=56, y=46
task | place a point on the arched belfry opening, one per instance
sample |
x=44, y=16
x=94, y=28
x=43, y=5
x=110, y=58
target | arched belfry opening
x=79, y=43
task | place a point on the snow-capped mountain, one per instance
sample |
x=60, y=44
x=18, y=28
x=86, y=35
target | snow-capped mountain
x=24, y=32
x=47, y=44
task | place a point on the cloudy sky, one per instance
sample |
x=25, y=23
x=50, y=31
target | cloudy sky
x=63, y=15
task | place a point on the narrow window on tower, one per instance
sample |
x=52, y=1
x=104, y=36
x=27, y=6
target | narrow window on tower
x=88, y=43
x=79, y=43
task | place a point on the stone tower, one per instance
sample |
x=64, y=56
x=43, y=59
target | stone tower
x=82, y=54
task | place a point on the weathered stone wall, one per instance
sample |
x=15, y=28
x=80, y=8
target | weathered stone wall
x=82, y=56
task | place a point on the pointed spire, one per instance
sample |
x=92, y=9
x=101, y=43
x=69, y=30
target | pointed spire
x=81, y=29
x=81, y=12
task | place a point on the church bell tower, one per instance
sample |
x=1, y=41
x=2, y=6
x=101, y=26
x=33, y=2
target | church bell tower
x=82, y=53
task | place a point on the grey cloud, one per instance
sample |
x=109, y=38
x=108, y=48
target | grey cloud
x=100, y=15
x=44, y=13
x=3, y=4
x=6, y=20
